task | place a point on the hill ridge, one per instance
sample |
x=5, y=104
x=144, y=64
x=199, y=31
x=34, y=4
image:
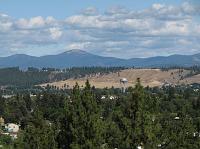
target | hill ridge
x=81, y=58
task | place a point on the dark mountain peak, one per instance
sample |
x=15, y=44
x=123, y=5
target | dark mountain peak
x=76, y=51
x=20, y=56
x=80, y=58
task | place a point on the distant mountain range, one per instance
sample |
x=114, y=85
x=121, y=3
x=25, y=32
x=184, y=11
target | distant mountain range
x=79, y=58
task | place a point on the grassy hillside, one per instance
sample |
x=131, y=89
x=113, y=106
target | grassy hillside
x=149, y=77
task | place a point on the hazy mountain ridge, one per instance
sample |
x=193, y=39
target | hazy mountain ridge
x=79, y=58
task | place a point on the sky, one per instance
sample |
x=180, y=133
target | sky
x=117, y=28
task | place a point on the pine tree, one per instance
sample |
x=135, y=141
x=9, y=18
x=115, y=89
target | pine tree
x=87, y=125
x=38, y=134
x=142, y=124
x=81, y=127
x=64, y=137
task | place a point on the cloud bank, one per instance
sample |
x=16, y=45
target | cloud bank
x=119, y=32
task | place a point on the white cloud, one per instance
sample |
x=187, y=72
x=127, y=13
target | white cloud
x=158, y=6
x=184, y=42
x=138, y=24
x=50, y=20
x=55, y=33
x=35, y=22
x=158, y=30
x=5, y=23
x=77, y=45
x=5, y=26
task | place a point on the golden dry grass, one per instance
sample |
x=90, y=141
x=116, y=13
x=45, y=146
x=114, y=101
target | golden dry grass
x=148, y=77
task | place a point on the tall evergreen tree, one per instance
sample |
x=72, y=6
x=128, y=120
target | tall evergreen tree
x=38, y=134
x=82, y=124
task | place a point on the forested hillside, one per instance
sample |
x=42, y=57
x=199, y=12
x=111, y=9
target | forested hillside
x=150, y=118
x=33, y=76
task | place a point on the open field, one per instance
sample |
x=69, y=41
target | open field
x=148, y=77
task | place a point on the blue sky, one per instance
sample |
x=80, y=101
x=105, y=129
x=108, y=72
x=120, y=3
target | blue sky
x=118, y=28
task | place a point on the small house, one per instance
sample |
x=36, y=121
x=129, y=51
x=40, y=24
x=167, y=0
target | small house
x=12, y=128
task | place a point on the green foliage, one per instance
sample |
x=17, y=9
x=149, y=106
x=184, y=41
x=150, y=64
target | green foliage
x=5, y=140
x=83, y=125
x=80, y=119
x=38, y=133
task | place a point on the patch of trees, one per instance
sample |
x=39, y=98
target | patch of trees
x=33, y=76
x=194, y=70
x=17, y=77
x=147, y=117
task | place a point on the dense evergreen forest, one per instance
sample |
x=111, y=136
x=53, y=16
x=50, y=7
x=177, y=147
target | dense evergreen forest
x=150, y=118
x=33, y=76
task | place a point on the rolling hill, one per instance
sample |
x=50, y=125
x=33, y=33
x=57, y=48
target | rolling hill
x=148, y=77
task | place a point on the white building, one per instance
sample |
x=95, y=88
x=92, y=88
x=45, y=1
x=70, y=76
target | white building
x=103, y=97
x=7, y=96
x=12, y=128
x=112, y=97
x=177, y=118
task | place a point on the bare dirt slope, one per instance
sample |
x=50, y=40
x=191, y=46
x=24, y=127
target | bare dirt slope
x=148, y=77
